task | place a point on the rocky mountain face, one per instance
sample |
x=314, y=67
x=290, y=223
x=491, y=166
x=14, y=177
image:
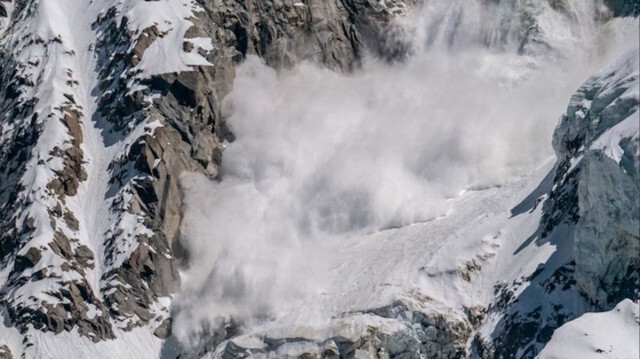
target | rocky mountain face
x=97, y=131
x=590, y=213
x=105, y=104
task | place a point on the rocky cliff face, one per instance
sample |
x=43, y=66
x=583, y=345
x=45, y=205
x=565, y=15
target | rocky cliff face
x=597, y=143
x=591, y=214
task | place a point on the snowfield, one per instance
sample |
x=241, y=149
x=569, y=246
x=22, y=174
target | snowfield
x=612, y=334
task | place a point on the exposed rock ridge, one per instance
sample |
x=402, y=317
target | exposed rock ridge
x=602, y=122
x=45, y=264
x=592, y=216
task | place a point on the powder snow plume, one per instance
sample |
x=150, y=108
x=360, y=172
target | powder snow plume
x=319, y=155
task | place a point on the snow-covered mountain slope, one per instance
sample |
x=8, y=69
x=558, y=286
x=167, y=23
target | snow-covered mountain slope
x=68, y=228
x=598, y=335
x=591, y=214
x=106, y=104
x=445, y=286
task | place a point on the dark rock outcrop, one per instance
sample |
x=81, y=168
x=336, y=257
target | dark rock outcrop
x=624, y=7
x=5, y=352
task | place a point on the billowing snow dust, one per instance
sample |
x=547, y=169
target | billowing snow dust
x=321, y=158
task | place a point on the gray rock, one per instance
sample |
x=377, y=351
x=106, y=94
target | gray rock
x=84, y=255
x=623, y=7
x=164, y=329
x=5, y=352
x=30, y=259
x=607, y=236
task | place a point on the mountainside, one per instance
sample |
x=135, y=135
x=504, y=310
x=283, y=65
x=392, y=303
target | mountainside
x=316, y=179
x=91, y=202
x=589, y=213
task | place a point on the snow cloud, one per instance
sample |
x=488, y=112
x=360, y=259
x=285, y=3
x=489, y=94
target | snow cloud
x=320, y=155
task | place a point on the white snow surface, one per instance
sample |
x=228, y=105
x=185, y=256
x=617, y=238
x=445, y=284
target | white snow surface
x=626, y=77
x=609, y=142
x=135, y=344
x=171, y=17
x=607, y=335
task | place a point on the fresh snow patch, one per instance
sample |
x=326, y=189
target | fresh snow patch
x=609, y=142
x=607, y=335
x=171, y=17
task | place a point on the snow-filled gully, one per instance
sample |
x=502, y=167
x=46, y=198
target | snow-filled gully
x=90, y=203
